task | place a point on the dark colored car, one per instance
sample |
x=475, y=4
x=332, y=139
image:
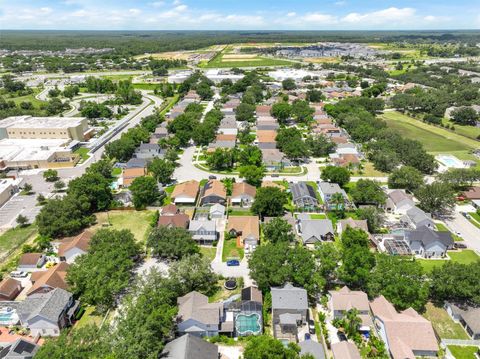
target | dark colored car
x=342, y=336
x=212, y=177
x=233, y=263
x=311, y=326
x=460, y=245
x=307, y=336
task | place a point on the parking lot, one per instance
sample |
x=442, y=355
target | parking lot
x=24, y=205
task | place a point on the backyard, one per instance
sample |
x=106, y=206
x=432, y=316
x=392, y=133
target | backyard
x=466, y=256
x=208, y=252
x=230, y=250
x=222, y=294
x=461, y=352
x=138, y=222
x=443, y=324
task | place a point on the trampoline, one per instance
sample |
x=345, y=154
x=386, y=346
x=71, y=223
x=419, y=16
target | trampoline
x=246, y=324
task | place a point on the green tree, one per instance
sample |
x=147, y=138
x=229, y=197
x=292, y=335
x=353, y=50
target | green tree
x=193, y=273
x=103, y=167
x=269, y=202
x=368, y=192
x=335, y=174
x=253, y=174
x=278, y=230
x=289, y=84
x=465, y=116
x=405, y=177
x=264, y=346
x=374, y=217
x=22, y=221
x=94, y=188
x=204, y=91
x=71, y=91
x=401, y=281
x=50, y=175
x=314, y=95
x=320, y=145
x=59, y=186
x=281, y=111
x=171, y=242
x=302, y=112
x=144, y=191
x=250, y=155
x=436, y=198
x=328, y=256
x=221, y=159
x=162, y=170
x=245, y=112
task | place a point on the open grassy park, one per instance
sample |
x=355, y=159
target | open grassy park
x=435, y=139
x=225, y=59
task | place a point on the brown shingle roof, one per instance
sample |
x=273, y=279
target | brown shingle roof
x=81, y=241
x=354, y=223
x=30, y=259
x=189, y=189
x=472, y=193
x=248, y=225
x=223, y=137
x=178, y=220
x=266, y=136
x=52, y=278
x=169, y=210
x=214, y=187
x=240, y=188
x=9, y=287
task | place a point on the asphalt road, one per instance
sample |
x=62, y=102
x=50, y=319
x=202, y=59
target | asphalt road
x=469, y=233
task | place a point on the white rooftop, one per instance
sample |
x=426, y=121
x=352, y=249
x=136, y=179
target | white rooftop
x=30, y=149
x=39, y=122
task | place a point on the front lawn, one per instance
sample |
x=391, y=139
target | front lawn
x=466, y=256
x=208, y=252
x=442, y=228
x=443, y=324
x=461, y=352
x=138, y=222
x=230, y=250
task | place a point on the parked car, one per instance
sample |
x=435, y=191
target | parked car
x=311, y=326
x=342, y=336
x=275, y=175
x=212, y=177
x=18, y=274
x=459, y=245
x=307, y=336
x=233, y=263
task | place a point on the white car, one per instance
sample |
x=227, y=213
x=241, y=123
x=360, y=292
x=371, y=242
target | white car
x=18, y=274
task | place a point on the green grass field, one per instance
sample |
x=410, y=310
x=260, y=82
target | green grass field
x=28, y=98
x=208, y=252
x=145, y=86
x=434, y=139
x=83, y=152
x=461, y=352
x=369, y=171
x=467, y=131
x=138, y=222
x=445, y=327
x=230, y=250
x=219, y=61
x=15, y=237
x=466, y=256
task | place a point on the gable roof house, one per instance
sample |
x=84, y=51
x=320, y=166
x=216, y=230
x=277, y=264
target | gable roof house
x=20, y=349
x=266, y=139
x=315, y=349
x=327, y=190
x=9, y=289
x=217, y=211
x=72, y=247
x=345, y=350
x=169, y=210
x=343, y=224
x=179, y=220
x=343, y=300
x=398, y=202
x=274, y=159
x=129, y=175
x=304, y=195
x=186, y=192
x=199, y=317
x=46, y=281
x=46, y=314
x=203, y=231
x=289, y=311
x=30, y=261
x=213, y=192
x=428, y=243
x=314, y=230
x=149, y=151
x=189, y=346
x=416, y=218
x=228, y=126
x=468, y=317
x=243, y=194
x=246, y=229
x=407, y=335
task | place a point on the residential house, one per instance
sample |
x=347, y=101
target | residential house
x=213, y=192
x=203, y=231
x=263, y=110
x=149, y=151
x=189, y=346
x=468, y=317
x=407, y=335
x=20, y=349
x=221, y=144
x=46, y=314
x=217, y=211
x=130, y=174
x=46, y=281
x=313, y=348
x=160, y=132
x=289, y=311
x=243, y=194
x=428, y=243
x=343, y=300
x=472, y=193
x=327, y=190
x=246, y=229
x=9, y=289
x=29, y=262
x=179, y=220
x=398, y=202
x=416, y=218
x=343, y=224
x=228, y=126
x=225, y=137
x=345, y=350
x=267, y=124
x=72, y=247
x=136, y=163
x=266, y=139
x=169, y=210
x=198, y=317
x=249, y=306
x=186, y=192
x=345, y=160
x=274, y=159
x=314, y=230
x=304, y=196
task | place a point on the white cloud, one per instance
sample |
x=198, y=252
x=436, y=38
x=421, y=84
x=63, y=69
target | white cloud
x=319, y=18
x=340, y=3
x=134, y=12
x=177, y=2
x=157, y=3
x=390, y=16
x=180, y=8
x=291, y=14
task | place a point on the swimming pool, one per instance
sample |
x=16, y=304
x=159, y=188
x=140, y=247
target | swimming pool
x=246, y=324
x=450, y=161
x=8, y=317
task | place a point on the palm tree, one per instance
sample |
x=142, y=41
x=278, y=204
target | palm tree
x=339, y=202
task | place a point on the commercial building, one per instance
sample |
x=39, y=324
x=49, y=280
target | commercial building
x=23, y=127
x=8, y=187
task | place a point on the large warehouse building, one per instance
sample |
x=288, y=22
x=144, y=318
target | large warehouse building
x=28, y=127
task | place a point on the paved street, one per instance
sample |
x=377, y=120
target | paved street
x=469, y=233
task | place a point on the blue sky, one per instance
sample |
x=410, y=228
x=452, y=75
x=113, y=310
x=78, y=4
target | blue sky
x=239, y=14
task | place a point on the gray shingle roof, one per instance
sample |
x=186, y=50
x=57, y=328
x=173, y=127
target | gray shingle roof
x=417, y=216
x=20, y=349
x=313, y=348
x=328, y=188
x=190, y=347
x=289, y=297
x=302, y=189
x=315, y=227
x=46, y=305
x=427, y=236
